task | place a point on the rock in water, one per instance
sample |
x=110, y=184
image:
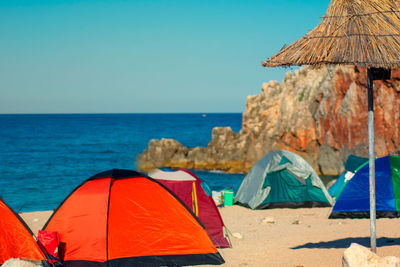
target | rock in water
x=320, y=114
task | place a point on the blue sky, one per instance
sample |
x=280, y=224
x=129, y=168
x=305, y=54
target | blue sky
x=145, y=56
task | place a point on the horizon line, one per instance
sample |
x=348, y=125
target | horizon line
x=120, y=113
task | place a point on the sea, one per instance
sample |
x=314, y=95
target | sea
x=43, y=157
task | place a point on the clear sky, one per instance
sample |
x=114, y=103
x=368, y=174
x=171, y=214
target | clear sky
x=147, y=56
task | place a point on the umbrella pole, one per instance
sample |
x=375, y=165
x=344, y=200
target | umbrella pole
x=371, y=152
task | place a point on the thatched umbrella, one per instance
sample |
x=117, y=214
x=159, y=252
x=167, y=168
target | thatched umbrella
x=364, y=33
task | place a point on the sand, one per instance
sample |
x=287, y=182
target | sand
x=296, y=237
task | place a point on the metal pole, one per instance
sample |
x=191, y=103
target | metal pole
x=371, y=152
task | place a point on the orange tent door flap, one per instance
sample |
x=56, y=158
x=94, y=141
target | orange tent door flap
x=146, y=220
x=81, y=222
x=16, y=241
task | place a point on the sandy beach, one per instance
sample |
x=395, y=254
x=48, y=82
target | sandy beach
x=288, y=237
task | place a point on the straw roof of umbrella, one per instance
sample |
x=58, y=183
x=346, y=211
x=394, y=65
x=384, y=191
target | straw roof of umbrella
x=365, y=33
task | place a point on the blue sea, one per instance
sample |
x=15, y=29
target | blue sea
x=44, y=157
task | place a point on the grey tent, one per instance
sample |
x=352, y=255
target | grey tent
x=282, y=179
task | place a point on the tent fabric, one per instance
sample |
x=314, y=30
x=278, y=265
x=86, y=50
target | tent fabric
x=50, y=241
x=353, y=163
x=179, y=175
x=125, y=218
x=195, y=194
x=282, y=179
x=16, y=239
x=336, y=188
x=353, y=201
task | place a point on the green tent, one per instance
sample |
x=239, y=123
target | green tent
x=282, y=179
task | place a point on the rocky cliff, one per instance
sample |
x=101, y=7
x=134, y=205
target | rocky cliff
x=320, y=114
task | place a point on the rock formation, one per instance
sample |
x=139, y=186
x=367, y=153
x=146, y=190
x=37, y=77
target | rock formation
x=320, y=114
x=359, y=256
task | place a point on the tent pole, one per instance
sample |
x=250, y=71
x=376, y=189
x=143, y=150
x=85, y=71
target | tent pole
x=371, y=152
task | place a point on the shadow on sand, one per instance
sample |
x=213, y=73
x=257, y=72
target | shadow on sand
x=346, y=242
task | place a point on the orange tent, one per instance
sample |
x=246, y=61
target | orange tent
x=124, y=218
x=16, y=239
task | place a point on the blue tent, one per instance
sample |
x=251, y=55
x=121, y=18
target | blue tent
x=353, y=163
x=353, y=201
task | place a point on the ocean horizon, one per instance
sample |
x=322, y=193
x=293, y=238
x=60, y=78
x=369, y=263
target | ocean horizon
x=43, y=157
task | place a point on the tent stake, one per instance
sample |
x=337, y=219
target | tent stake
x=371, y=152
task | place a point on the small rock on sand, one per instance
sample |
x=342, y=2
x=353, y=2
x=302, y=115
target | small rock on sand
x=357, y=256
x=237, y=235
x=267, y=220
x=21, y=263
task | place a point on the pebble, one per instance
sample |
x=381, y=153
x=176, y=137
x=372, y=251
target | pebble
x=267, y=220
x=237, y=235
